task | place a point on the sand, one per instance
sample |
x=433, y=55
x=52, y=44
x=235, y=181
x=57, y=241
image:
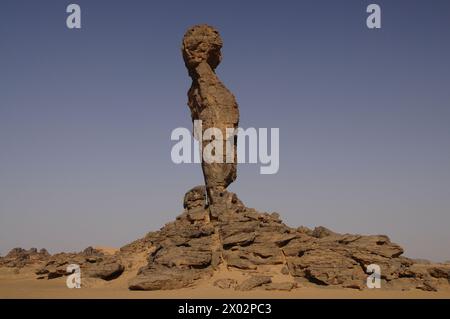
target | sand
x=25, y=285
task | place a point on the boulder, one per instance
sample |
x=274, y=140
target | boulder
x=92, y=262
x=282, y=286
x=225, y=283
x=19, y=257
x=253, y=282
x=164, y=279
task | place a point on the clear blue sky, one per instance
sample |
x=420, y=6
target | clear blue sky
x=86, y=117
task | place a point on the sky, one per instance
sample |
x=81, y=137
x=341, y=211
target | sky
x=86, y=117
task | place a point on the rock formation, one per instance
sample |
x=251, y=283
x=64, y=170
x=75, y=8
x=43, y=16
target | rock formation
x=260, y=246
x=19, y=257
x=228, y=233
x=226, y=236
x=212, y=103
x=93, y=264
x=257, y=245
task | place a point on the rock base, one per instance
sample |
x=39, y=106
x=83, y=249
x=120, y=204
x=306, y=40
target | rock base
x=232, y=235
x=203, y=241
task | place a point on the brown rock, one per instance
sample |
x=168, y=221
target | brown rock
x=320, y=232
x=234, y=259
x=107, y=270
x=211, y=102
x=92, y=262
x=19, y=257
x=238, y=239
x=164, y=280
x=326, y=267
x=197, y=214
x=440, y=271
x=195, y=197
x=253, y=282
x=283, y=286
x=183, y=257
x=225, y=283
x=305, y=230
x=377, y=245
x=285, y=270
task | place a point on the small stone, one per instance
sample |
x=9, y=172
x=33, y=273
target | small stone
x=253, y=282
x=283, y=286
x=225, y=283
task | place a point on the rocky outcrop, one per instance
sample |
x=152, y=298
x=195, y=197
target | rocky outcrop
x=187, y=251
x=244, y=240
x=221, y=233
x=212, y=103
x=253, y=282
x=19, y=257
x=181, y=252
x=164, y=278
x=93, y=264
x=280, y=286
x=226, y=283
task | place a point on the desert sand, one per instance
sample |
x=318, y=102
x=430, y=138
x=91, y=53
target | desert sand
x=23, y=284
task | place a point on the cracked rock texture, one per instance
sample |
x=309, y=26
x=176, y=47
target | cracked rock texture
x=187, y=250
x=93, y=264
x=225, y=235
x=19, y=257
x=212, y=103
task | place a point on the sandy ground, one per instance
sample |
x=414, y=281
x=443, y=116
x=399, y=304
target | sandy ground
x=24, y=285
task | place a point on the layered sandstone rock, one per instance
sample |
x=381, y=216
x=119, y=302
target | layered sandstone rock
x=19, y=257
x=212, y=103
x=93, y=264
x=187, y=250
x=225, y=235
x=241, y=240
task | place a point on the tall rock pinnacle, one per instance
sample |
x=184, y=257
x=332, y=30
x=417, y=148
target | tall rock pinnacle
x=255, y=250
x=212, y=103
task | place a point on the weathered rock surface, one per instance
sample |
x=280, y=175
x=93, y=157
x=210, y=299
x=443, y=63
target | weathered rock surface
x=226, y=283
x=241, y=238
x=225, y=234
x=281, y=286
x=163, y=278
x=93, y=264
x=19, y=257
x=253, y=282
x=212, y=103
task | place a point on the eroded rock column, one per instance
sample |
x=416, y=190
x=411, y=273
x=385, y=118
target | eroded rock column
x=212, y=103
